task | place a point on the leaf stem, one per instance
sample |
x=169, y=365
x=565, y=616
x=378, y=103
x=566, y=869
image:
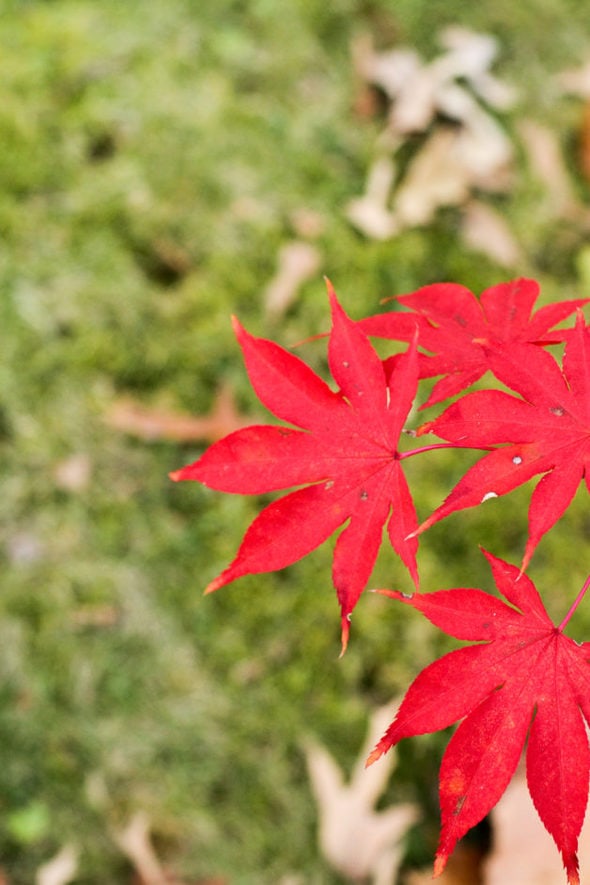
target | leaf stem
x=575, y=604
x=447, y=445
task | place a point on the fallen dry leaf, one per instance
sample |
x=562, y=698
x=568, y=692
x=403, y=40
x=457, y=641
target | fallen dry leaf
x=370, y=213
x=546, y=161
x=470, y=56
x=576, y=81
x=60, y=869
x=436, y=177
x=419, y=90
x=485, y=230
x=297, y=263
x=451, y=163
x=357, y=841
x=130, y=417
x=134, y=841
x=474, y=153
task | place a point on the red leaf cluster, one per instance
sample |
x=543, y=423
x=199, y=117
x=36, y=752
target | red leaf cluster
x=526, y=678
x=338, y=457
x=345, y=456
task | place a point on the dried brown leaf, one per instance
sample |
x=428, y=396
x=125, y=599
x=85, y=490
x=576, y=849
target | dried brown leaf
x=60, y=869
x=131, y=417
x=134, y=841
x=450, y=165
x=370, y=213
x=576, y=81
x=297, y=263
x=546, y=161
x=485, y=230
x=357, y=841
x=472, y=154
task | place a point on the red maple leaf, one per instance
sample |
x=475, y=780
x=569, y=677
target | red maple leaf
x=346, y=455
x=526, y=678
x=549, y=430
x=459, y=330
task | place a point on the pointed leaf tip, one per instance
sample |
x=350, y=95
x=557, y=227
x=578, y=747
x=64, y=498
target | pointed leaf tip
x=332, y=297
x=440, y=862
x=373, y=756
x=345, y=633
x=218, y=582
x=243, y=337
x=175, y=475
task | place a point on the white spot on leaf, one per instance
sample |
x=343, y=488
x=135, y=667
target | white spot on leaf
x=488, y=495
x=517, y=459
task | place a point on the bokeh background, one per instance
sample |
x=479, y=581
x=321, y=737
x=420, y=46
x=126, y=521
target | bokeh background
x=161, y=163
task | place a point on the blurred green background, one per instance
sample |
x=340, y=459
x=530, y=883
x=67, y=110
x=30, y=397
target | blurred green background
x=154, y=158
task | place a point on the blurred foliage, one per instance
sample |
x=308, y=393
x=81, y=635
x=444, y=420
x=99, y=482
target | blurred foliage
x=153, y=157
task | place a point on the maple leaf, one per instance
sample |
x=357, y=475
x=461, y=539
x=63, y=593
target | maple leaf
x=459, y=330
x=549, y=432
x=152, y=424
x=357, y=840
x=525, y=677
x=346, y=456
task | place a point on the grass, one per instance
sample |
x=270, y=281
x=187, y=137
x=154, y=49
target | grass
x=152, y=159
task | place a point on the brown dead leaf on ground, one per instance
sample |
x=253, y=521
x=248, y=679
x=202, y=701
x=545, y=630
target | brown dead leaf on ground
x=129, y=416
x=547, y=163
x=471, y=153
x=483, y=229
x=355, y=839
x=60, y=869
x=418, y=90
x=297, y=262
x=134, y=840
x=450, y=165
x=135, y=843
x=576, y=81
x=370, y=213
